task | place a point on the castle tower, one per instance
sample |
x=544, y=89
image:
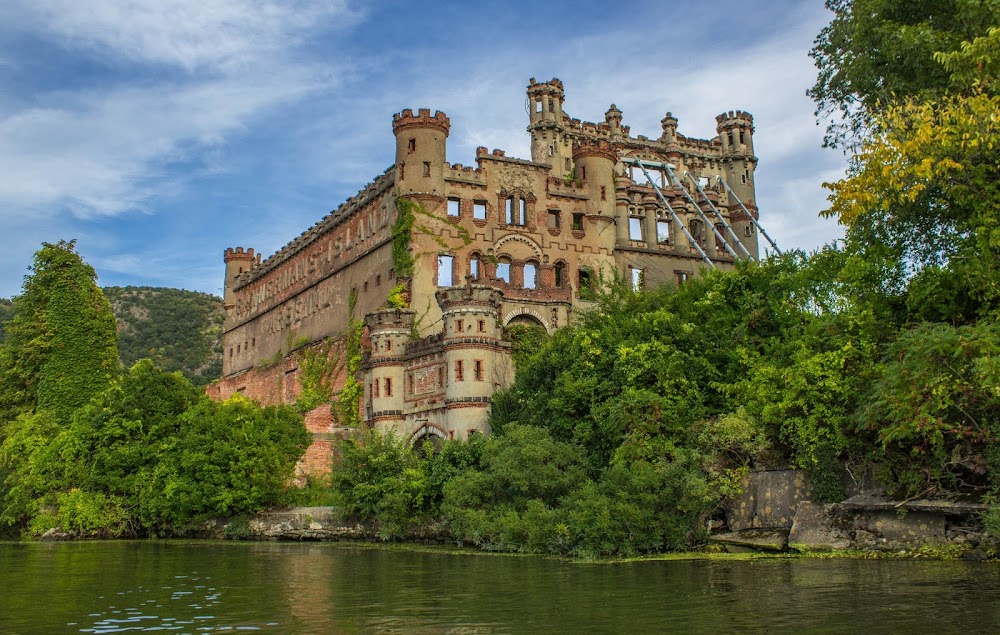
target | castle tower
x=735, y=130
x=545, y=116
x=613, y=117
x=477, y=360
x=421, y=142
x=384, y=391
x=595, y=168
x=669, y=126
x=237, y=261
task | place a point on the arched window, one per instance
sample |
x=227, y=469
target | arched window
x=560, y=270
x=503, y=270
x=474, y=265
x=522, y=218
x=720, y=231
x=444, y=277
x=697, y=229
x=530, y=274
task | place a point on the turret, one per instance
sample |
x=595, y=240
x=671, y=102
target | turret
x=421, y=142
x=237, y=261
x=595, y=168
x=613, y=117
x=384, y=397
x=476, y=359
x=735, y=130
x=669, y=126
x=545, y=116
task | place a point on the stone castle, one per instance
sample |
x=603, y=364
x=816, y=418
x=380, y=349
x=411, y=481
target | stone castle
x=476, y=250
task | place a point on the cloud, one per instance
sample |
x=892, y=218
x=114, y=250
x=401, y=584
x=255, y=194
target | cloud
x=193, y=34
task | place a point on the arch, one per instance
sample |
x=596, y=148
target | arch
x=527, y=315
x=428, y=433
x=518, y=238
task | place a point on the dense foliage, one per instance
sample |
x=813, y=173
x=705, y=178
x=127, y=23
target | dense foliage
x=90, y=450
x=875, y=52
x=179, y=330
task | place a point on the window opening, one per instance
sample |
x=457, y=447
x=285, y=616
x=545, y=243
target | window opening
x=578, y=221
x=427, y=168
x=560, y=274
x=388, y=387
x=474, y=266
x=530, y=272
x=479, y=210
x=459, y=371
x=477, y=366
x=411, y=146
x=503, y=270
x=454, y=206
x=635, y=228
x=444, y=270
x=554, y=218
x=637, y=276
x=662, y=232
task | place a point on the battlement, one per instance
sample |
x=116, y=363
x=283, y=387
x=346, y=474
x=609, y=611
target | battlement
x=594, y=148
x=238, y=253
x=734, y=119
x=405, y=120
x=553, y=86
x=389, y=320
x=473, y=295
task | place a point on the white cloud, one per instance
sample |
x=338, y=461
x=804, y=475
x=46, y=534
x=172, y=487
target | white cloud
x=193, y=34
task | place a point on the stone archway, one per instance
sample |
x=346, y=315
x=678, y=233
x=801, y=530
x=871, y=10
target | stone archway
x=428, y=433
x=524, y=315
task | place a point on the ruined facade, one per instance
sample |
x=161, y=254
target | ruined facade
x=477, y=249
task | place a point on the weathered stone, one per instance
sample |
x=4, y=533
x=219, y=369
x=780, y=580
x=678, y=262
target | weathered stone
x=756, y=539
x=816, y=528
x=769, y=500
x=57, y=533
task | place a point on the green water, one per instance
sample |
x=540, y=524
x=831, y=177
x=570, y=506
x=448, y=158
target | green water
x=196, y=587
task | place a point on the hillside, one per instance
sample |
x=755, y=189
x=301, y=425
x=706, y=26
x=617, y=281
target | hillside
x=179, y=330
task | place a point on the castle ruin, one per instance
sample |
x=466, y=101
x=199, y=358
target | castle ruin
x=476, y=250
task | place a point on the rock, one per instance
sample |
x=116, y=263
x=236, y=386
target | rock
x=55, y=534
x=756, y=539
x=817, y=528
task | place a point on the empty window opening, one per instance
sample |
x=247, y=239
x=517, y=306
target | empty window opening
x=680, y=277
x=719, y=231
x=440, y=376
x=459, y=326
x=474, y=266
x=388, y=387
x=697, y=229
x=530, y=273
x=635, y=228
x=663, y=232
x=522, y=218
x=538, y=106
x=444, y=270
x=459, y=371
x=604, y=193
x=482, y=326
x=509, y=211
x=585, y=284
x=411, y=145
x=479, y=210
x=583, y=173
x=554, y=218
x=741, y=137
x=454, y=205
x=427, y=168
x=578, y=221
x=560, y=271
x=636, y=276
x=503, y=270
x=388, y=345
x=748, y=230
x=376, y=385
x=477, y=367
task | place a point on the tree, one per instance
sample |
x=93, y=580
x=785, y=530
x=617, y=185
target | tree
x=60, y=348
x=875, y=52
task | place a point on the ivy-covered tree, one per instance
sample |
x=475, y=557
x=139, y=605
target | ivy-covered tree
x=60, y=345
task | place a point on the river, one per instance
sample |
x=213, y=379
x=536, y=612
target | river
x=198, y=587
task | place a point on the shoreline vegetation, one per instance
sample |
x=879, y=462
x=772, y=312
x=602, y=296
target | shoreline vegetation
x=873, y=362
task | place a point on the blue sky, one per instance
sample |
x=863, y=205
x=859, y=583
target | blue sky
x=157, y=133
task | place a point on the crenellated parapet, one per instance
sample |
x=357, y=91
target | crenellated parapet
x=239, y=254
x=405, y=120
x=598, y=148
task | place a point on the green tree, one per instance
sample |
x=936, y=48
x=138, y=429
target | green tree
x=875, y=52
x=60, y=346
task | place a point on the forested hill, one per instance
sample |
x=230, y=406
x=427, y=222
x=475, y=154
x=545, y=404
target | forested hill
x=177, y=329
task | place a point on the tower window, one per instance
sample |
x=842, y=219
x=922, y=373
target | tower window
x=583, y=173
x=748, y=230
x=459, y=326
x=444, y=276
x=459, y=371
x=604, y=193
x=482, y=326
x=411, y=145
x=454, y=205
x=376, y=385
x=741, y=137
x=523, y=215
x=388, y=387
x=477, y=369
x=509, y=211
x=635, y=228
x=578, y=221
x=427, y=168
x=680, y=277
x=560, y=271
x=479, y=210
x=697, y=229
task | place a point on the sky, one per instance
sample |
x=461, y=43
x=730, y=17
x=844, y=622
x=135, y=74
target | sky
x=159, y=133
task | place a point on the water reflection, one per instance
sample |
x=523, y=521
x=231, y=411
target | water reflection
x=333, y=588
